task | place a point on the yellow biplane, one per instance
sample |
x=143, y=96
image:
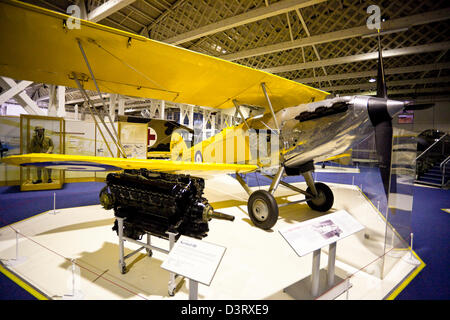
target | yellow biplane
x=300, y=125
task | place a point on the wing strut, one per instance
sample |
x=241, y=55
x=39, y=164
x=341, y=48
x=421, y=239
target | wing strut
x=90, y=107
x=238, y=109
x=263, y=86
x=116, y=135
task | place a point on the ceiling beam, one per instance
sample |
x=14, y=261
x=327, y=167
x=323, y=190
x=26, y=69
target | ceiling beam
x=242, y=19
x=13, y=90
x=368, y=85
x=373, y=73
x=108, y=8
x=395, y=24
x=22, y=97
x=404, y=91
x=439, y=46
x=145, y=31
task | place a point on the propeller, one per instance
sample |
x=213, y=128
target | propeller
x=381, y=111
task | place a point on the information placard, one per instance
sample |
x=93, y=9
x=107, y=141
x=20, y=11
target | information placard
x=310, y=235
x=194, y=259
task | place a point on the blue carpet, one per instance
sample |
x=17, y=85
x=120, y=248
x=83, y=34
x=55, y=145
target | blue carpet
x=16, y=206
x=429, y=223
x=431, y=226
x=9, y=290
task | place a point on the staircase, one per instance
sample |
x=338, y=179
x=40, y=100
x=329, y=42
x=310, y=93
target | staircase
x=434, y=176
x=433, y=164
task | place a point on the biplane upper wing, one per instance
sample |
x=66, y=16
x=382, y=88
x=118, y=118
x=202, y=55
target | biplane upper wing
x=42, y=47
x=91, y=163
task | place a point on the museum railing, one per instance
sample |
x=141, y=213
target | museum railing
x=445, y=171
x=432, y=160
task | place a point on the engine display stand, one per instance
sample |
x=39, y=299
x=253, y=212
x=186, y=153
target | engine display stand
x=148, y=247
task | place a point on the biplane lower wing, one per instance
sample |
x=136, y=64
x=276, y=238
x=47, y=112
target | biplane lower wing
x=91, y=163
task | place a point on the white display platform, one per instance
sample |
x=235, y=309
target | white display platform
x=258, y=264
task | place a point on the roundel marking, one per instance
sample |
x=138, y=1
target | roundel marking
x=152, y=136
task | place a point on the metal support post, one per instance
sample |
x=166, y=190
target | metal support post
x=409, y=257
x=287, y=185
x=122, y=265
x=90, y=107
x=243, y=184
x=321, y=284
x=193, y=290
x=310, y=182
x=18, y=259
x=54, y=204
x=115, y=135
x=263, y=86
x=276, y=181
x=76, y=294
x=96, y=86
x=149, y=243
x=315, y=276
x=238, y=108
x=331, y=264
x=172, y=276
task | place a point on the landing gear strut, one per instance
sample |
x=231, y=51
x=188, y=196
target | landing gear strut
x=263, y=208
x=322, y=198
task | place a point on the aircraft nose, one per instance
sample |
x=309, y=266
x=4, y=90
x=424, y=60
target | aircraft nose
x=381, y=110
x=394, y=107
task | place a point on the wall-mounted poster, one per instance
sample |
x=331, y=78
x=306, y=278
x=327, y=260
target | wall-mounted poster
x=406, y=117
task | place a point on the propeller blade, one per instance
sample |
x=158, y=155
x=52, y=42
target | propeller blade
x=380, y=115
x=383, y=142
x=417, y=106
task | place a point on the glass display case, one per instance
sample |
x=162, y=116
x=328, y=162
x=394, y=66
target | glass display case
x=134, y=138
x=41, y=134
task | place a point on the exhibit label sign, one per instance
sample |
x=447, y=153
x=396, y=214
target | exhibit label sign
x=308, y=236
x=194, y=259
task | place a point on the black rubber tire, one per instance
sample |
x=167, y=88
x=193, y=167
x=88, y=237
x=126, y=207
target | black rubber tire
x=262, y=199
x=327, y=200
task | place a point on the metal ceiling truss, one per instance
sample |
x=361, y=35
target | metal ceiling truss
x=317, y=42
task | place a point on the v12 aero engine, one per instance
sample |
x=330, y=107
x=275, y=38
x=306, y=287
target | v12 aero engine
x=157, y=203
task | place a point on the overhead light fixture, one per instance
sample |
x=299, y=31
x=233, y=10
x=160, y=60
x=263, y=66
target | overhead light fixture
x=372, y=80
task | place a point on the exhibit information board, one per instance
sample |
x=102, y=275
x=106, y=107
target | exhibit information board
x=310, y=235
x=194, y=259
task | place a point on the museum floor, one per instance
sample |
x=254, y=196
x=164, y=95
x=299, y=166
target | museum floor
x=429, y=224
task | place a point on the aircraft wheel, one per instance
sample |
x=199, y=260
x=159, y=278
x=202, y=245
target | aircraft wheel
x=324, y=201
x=263, y=209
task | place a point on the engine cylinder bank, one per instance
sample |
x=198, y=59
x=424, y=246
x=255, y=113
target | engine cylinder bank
x=157, y=203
